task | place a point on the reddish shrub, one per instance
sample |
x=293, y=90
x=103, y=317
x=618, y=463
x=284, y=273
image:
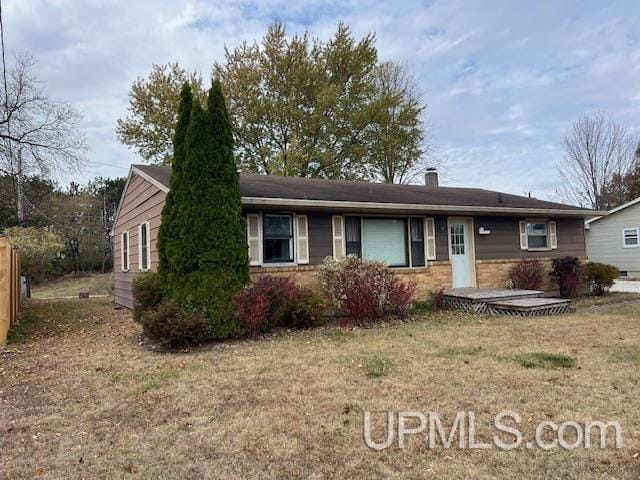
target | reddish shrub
x=528, y=275
x=252, y=309
x=278, y=291
x=361, y=302
x=365, y=289
x=401, y=296
x=567, y=272
x=277, y=301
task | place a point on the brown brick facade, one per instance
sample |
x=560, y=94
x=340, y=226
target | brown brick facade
x=436, y=276
x=489, y=274
x=495, y=273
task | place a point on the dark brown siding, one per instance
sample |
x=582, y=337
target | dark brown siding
x=504, y=240
x=142, y=202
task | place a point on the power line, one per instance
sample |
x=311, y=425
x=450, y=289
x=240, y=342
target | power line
x=4, y=64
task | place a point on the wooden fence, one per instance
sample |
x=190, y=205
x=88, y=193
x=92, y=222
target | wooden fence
x=9, y=288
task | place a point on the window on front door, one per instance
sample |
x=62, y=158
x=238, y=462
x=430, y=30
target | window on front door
x=457, y=239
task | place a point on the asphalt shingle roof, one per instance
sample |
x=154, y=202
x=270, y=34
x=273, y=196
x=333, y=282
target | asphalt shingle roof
x=274, y=186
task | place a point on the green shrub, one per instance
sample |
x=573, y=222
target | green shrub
x=599, y=277
x=174, y=328
x=147, y=293
x=304, y=310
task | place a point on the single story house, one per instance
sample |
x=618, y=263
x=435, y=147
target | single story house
x=615, y=239
x=439, y=237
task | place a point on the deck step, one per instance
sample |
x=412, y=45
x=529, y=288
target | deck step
x=527, y=307
x=477, y=299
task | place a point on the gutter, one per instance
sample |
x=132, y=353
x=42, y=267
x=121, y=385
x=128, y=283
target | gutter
x=335, y=204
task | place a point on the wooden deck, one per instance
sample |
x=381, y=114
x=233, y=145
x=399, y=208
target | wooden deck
x=502, y=301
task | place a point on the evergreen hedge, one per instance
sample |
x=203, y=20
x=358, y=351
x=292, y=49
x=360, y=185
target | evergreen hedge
x=209, y=261
x=168, y=234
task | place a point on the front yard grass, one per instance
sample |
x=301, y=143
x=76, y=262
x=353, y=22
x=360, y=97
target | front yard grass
x=82, y=398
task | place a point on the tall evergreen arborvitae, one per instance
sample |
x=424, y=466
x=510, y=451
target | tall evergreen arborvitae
x=168, y=233
x=213, y=260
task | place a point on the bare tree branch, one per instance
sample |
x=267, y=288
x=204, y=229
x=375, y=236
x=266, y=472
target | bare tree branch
x=597, y=148
x=44, y=133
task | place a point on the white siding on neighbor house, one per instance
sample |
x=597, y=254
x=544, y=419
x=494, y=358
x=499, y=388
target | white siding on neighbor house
x=604, y=240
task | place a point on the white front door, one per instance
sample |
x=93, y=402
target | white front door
x=460, y=244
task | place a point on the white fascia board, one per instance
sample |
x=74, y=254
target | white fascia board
x=151, y=180
x=335, y=204
x=617, y=209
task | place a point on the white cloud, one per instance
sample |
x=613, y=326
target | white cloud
x=502, y=80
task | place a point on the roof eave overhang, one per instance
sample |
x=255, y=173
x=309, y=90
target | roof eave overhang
x=410, y=207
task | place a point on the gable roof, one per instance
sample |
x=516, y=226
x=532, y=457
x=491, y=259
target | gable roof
x=614, y=210
x=273, y=190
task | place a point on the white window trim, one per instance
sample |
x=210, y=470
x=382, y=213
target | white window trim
x=122, y=255
x=549, y=247
x=148, y=226
x=637, y=231
x=294, y=240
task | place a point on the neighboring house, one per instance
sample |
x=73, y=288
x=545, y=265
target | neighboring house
x=439, y=237
x=615, y=239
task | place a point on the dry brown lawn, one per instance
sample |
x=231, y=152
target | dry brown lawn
x=81, y=398
x=72, y=285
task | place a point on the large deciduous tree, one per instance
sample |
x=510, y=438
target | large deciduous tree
x=308, y=108
x=38, y=136
x=153, y=111
x=211, y=262
x=597, y=149
x=396, y=136
x=299, y=106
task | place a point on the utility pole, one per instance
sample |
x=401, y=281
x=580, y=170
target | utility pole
x=20, y=188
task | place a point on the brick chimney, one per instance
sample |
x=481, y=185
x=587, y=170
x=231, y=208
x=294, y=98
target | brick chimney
x=431, y=177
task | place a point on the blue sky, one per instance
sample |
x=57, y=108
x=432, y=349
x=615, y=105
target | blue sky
x=503, y=80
